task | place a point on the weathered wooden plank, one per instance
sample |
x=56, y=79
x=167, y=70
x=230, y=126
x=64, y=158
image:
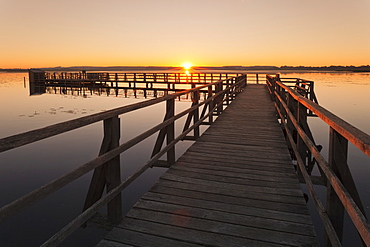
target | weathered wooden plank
x=220, y=166
x=108, y=243
x=231, y=153
x=232, y=192
x=238, y=147
x=224, y=206
x=253, y=202
x=229, y=217
x=230, y=177
x=260, y=175
x=188, y=221
x=263, y=189
x=140, y=238
x=242, y=159
x=268, y=165
x=204, y=238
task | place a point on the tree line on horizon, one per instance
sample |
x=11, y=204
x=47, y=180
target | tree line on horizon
x=362, y=68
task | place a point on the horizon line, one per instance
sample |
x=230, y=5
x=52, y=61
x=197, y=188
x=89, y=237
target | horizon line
x=171, y=66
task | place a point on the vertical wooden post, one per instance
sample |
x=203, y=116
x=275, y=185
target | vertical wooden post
x=293, y=108
x=272, y=87
x=302, y=148
x=177, y=80
x=338, y=152
x=113, y=177
x=108, y=174
x=210, y=117
x=219, y=98
x=134, y=84
x=170, y=109
x=168, y=132
x=196, y=112
x=168, y=82
x=228, y=92
x=257, y=79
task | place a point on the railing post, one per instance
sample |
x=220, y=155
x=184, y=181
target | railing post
x=271, y=82
x=338, y=155
x=210, y=93
x=109, y=174
x=228, y=92
x=218, y=99
x=196, y=95
x=167, y=132
x=170, y=109
x=338, y=152
x=302, y=148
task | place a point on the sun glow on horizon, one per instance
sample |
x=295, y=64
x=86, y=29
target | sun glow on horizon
x=187, y=65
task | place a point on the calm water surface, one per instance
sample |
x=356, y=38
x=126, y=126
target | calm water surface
x=25, y=169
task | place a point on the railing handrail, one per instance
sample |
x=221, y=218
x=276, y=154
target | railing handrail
x=356, y=136
x=350, y=200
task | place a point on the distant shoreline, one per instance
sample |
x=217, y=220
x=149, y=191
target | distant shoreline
x=276, y=69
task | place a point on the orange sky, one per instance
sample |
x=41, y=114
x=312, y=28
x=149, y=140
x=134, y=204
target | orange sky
x=45, y=33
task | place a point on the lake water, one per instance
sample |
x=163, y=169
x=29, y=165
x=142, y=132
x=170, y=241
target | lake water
x=27, y=168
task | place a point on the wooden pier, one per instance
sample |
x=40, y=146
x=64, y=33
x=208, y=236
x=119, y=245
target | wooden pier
x=144, y=85
x=236, y=186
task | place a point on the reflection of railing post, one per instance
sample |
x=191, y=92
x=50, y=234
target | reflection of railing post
x=108, y=174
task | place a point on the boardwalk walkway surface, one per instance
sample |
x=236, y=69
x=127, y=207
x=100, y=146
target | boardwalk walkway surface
x=235, y=186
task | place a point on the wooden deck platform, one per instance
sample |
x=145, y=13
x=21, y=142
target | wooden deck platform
x=235, y=186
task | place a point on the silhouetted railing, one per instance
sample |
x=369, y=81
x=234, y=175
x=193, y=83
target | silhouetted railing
x=145, y=85
x=107, y=166
x=293, y=104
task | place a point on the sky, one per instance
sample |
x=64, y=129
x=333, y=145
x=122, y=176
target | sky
x=49, y=33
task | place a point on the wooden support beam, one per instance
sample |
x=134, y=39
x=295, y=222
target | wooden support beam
x=170, y=135
x=107, y=175
x=338, y=155
x=196, y=113
x=302, y=148
x=167, y=132
x=334, y=207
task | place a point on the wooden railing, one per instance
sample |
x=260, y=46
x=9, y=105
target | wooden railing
x=107, y=165
x=292, y=107
x=144, y=85
x=171, y=78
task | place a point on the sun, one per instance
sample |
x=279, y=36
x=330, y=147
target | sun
x=187, y=65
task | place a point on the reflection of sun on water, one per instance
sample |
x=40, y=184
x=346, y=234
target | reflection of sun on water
x=187, y=66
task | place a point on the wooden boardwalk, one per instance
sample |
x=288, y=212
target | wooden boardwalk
x=235, y=186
